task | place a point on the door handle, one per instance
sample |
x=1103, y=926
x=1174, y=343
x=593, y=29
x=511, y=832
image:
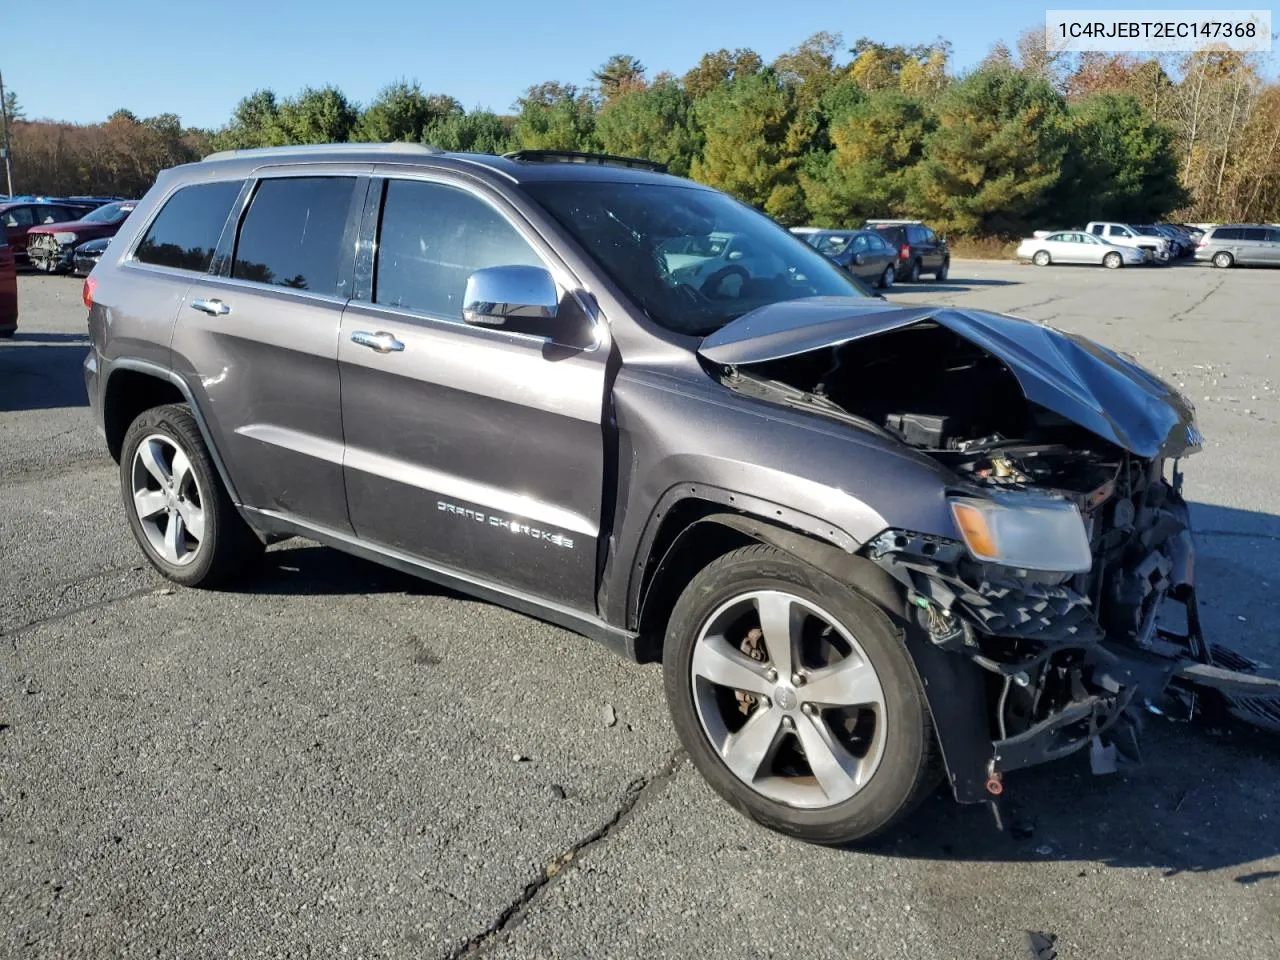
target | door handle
x=381, y=341
x=214, y=308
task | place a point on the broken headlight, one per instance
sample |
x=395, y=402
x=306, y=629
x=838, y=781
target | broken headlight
x=64, y=237
x=1024, y=531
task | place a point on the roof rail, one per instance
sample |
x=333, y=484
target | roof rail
x=420, y=149
x=574, y=156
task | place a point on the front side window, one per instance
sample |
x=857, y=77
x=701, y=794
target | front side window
x=1253, y=233
x=185, y=233
x=630, y=230
x=291, y=235
x=48, y=215
x=831, y=244
x=432, y=238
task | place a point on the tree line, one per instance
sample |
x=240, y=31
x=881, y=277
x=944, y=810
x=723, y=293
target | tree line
x=824, y=134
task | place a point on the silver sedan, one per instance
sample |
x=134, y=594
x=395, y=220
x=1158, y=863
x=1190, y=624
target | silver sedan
x=1076, y=246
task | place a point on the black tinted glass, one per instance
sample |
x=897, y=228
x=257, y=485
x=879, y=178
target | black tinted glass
x=185, y=233
x=292, y=234
x=432, y=238
x=1226, y=233
x=1253, y=233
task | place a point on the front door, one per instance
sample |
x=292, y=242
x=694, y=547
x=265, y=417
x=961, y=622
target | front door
x=473, y=448
x=261, y=336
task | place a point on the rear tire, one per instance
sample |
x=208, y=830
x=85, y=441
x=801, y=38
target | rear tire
x=1042, y=258
x=898, y=764
x=179, y=512
x=1223, y=260
x=887, y=278
x=943, y=270
x=914, y=275
x=1113, y=261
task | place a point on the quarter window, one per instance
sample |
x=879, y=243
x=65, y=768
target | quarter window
x=292, y=234
x=185, y=233
x=431, y=239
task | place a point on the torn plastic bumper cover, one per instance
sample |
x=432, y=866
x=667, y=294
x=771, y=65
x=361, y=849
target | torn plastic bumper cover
x=1023, y=668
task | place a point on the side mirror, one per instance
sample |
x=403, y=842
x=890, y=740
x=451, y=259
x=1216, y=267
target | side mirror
x=858, y=258
x=512, y=296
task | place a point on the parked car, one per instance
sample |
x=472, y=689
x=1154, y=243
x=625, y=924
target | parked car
x=1076, y=246
x=920, y=250
x=19, y=216
x=1126, y=235
x=868, y=541
x=864, y=253
x=87, y=255
x=1240, y=243
x=51, y=248
x=8, y=291
x=1157, y=231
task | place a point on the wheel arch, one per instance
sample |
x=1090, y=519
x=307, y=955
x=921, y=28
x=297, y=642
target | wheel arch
x=693, y=531
x=133, y=386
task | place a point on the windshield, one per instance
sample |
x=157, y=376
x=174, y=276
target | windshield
x=831, y=244
x=111, y=213
x=692, y=259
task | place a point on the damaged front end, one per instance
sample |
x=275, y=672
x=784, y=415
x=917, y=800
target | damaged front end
x=1060, y=608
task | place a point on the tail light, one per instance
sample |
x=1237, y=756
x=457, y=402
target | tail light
x=1202, y=242
x=90, y=285
x=904, y=252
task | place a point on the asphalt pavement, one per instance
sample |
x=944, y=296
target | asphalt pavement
x=339, y=760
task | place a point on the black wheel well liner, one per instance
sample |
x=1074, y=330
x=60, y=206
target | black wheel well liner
x=953, y=685
x=128, y=393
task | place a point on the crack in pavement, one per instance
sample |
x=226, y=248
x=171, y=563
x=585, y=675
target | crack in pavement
x=30, y=625
x=639, y=790
x=1181, y=314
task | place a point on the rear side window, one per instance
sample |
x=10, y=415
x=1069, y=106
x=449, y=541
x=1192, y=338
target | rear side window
x=431, y=239
x=1226, y=233
x=292, y=234
x=185, y=233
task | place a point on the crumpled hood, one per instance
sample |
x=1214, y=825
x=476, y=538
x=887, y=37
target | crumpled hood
x=1070, y=375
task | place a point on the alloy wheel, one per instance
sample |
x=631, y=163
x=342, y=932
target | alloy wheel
x=788, y=699
x=168, y=500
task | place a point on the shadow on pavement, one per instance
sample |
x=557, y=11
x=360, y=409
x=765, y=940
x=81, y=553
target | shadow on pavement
x=42, y=371
x=300, y=568
x=950, y=285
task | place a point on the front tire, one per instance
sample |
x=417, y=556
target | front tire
x=1223, y=260
x=178, y=510
x=943, y=271
x=796, y=700
x=914, y=275
x=1042, y=258
x=1113, y=261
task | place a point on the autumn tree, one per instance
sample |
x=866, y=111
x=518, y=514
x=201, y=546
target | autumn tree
x=401, y=111
x=745, y=124
x=870, y=171
x=556, y=116
x=655, y=123
x=995, y=155
x=621, y=73
x=720, y=67
x=477, y=132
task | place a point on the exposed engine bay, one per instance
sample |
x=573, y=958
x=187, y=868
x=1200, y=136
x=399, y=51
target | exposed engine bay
x=1070, y=659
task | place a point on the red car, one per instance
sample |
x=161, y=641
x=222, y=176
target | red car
x=52, y=247
x=19, y=216
x=8, y=291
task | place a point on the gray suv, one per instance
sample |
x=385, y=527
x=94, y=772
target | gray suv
x=1244, y=244
x=873, y=545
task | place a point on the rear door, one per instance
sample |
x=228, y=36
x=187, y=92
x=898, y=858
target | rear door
x=16, y=222
x=473, y=448
x=1272, y=246
x=1252, y=246
x=258, y=339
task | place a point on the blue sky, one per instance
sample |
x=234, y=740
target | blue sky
x=198, y=59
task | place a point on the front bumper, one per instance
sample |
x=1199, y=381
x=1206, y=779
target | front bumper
x=49, y=256
x=1020, y=673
